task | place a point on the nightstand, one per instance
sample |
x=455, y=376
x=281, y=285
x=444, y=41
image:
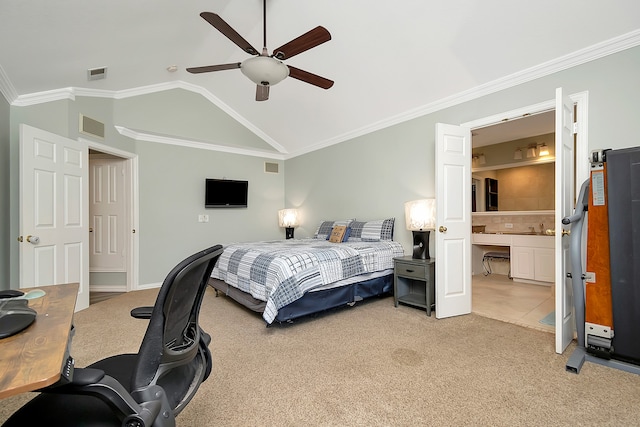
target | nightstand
x=414, y=282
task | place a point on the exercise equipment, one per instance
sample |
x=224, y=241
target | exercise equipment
x=607, y=294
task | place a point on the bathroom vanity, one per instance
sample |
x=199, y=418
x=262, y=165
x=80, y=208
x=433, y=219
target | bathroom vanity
x=532, y=256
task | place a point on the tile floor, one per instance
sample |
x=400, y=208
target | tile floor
x=498, y=297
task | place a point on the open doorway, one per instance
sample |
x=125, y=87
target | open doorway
x=112, y=221
x=512, y=221
x=453, y=177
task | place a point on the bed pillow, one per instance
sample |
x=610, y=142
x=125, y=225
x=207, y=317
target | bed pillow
x=324, y=229
x=372, y=231
x=337, y=234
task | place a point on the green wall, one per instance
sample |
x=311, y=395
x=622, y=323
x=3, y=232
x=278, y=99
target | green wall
x=368, y=177
x=4, y=193
x=171, y=179
x=172, y=196
x=371, y=177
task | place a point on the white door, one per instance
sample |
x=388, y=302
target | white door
x=564, y=207
x=54, y=213
x=107, y=216
x=453, y=220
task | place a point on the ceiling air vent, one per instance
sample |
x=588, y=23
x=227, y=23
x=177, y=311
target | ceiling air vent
x=270, y=167
x=97, y=73
x=91, y=127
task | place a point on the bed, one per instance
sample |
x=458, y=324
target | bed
x=345, y=262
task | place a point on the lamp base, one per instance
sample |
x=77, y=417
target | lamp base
x=421, y=244
x=288, y=233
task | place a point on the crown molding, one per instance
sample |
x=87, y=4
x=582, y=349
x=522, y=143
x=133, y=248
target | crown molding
x=6, y=87
x=164, y=139
x=70, y=93
x=591, y=53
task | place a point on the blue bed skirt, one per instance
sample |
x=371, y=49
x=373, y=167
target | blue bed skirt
x=313, y=302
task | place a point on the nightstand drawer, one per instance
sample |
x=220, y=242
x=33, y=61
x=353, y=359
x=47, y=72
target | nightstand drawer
x=412, y=271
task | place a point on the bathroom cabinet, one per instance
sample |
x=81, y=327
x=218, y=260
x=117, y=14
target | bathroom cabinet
x=533, y=258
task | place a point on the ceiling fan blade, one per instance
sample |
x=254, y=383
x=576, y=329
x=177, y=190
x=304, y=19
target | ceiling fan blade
x=310, y=78
x=300, y=44
x=229, y=32
x=209, y=68
x=262, y=93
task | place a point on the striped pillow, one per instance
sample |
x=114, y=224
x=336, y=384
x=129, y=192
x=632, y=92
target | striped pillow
x=372, y=231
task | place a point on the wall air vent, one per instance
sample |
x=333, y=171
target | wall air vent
x=97, y=73
x=91, y=127
x=270, y=167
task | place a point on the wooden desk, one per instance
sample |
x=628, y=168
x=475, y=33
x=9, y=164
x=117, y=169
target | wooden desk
x=34, y=358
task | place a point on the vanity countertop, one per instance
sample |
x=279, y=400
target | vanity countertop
x=513, y=239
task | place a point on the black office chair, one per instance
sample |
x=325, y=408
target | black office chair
x=148, y=388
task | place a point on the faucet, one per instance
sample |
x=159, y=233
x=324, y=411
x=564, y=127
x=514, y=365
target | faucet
x=541, y=228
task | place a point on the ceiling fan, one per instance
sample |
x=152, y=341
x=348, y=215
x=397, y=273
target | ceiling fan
x=263, y=69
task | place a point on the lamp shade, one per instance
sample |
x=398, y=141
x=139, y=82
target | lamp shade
x=420, y=214
x=544, y=150
x=517, y=155
x=288, y=218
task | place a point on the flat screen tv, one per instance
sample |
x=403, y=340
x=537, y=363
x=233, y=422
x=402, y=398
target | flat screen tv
x=225, y=193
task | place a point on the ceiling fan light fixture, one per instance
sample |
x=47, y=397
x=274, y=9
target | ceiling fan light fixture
x=264, y=70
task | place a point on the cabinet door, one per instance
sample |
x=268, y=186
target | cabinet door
x=522, y=263
x=545, y=265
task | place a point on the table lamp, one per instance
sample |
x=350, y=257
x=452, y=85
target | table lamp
x=420, y=216
x=288, y=219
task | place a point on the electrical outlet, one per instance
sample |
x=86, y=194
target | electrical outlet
x=201, y=218
x=508, y=225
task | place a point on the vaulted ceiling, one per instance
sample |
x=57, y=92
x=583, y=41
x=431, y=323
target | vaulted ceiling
x=390, y=60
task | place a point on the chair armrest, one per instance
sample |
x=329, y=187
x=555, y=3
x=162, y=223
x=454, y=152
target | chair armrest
x=150, y=406
x=142, y=312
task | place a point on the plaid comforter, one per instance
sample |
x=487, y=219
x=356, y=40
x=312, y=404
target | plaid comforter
x=279, y=272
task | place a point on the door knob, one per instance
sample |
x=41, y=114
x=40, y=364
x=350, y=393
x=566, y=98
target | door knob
x=34, y=240
x=442, y=229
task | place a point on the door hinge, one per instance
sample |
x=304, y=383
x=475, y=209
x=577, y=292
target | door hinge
x=575, y=128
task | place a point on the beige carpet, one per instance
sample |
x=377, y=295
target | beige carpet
x=372, y=365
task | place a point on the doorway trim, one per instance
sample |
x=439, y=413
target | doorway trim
x=131, y=161
x=580, y=101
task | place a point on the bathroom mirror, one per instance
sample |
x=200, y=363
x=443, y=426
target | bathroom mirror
x=521, y=188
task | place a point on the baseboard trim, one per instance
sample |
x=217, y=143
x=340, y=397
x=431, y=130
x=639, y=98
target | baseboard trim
x=108, y=288
x=150, y=286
